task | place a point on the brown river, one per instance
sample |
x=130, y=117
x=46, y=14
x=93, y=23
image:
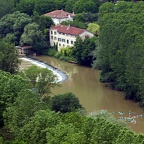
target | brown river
x=93, y=95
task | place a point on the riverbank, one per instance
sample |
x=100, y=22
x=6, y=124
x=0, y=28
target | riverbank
x=61, y=75
x=84, y=83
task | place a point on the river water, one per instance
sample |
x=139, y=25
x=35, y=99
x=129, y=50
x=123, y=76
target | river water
x=93, y=95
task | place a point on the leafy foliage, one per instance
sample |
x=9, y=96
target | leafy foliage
x=120, y=54
x=6, y=7
x=12, y=26
x=41, y=79
x=8, y=57
x=34, y=37
x=63, y=103
x=83, y=50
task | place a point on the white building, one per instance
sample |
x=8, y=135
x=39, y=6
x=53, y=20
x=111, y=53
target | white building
x=59, y=15
x=64, y=36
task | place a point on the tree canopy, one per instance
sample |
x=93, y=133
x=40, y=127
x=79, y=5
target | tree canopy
x=9, y=61
x=120, y=53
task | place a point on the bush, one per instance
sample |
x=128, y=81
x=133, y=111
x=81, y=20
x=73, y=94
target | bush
x=52, y=52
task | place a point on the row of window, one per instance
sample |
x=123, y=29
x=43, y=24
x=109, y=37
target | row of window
x=53, y=32
x=63, y=40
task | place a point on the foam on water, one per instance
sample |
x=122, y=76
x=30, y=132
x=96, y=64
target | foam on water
x=61, y=75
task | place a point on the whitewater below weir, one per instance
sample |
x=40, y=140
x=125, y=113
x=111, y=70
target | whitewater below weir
x=61, y=75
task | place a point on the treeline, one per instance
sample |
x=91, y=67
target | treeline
x=45, y=6
x=22, y=29
x=120, y=55
x=31, y=116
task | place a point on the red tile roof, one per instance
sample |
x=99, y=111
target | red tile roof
x=59, y=14
x=68, y=30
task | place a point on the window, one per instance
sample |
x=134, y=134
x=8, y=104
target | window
x=71, y=42
x=67, y=41
x=63, y=45
x=63, y=40
x=51, y=32
x=55, y=33
x=55, y=38
x=59, y=39
x=59, y=44
x=51, y=37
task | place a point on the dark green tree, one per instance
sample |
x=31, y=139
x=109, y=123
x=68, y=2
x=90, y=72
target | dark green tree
x=9, y=61
x=63, y=103
x=6, y=7
x=12, y=26
x=19, y=113
x=26, y=6
x=34, y=37
x=83, y=50
x=44, y=6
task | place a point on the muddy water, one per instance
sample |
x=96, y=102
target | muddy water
x=93, y=95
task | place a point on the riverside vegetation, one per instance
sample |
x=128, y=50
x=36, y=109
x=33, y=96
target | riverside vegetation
x=28, y=114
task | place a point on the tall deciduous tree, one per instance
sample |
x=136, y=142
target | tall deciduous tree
x=6, y=7
x=19, y=113
x=41, y=79
x=12, y=26
x=10, y=86
x=120, y=55
x=45, y=6
x=34, y=37
x=83, y=50
x=26, y=6
x=9, y=61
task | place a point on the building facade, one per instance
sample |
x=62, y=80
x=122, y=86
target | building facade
x=65, y=36
x=59, y=16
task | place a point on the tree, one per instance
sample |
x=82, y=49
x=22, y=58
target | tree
x=41, y=79
x=86, y=6
x=9, y=61
x=120, y=56
x=65, y=133
x=83, y=50
x=26, y=6
x=6, y=7
x=10, y=86
x=12, y=26
x=45, y=22
x=34, y=37
x=63, y=103
x=94, y=28
x=44, y=6
x=35, y=130
x=19, y=113
x=69, y=5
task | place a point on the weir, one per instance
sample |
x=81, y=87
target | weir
x=62, y=76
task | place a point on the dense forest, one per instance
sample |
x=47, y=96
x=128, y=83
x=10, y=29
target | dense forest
x=28, y=113
x=121, y=49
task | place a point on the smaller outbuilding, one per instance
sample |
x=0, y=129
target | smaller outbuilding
x=24, y=50
x=59, y=16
